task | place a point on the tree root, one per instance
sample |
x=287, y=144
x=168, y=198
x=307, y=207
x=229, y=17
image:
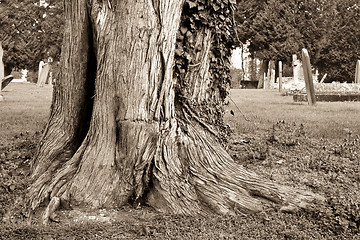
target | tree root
x=194, y=174
x=49, y=213
x=191, y=174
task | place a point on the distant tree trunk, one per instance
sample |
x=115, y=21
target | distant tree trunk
x=118, y=130
x=7, y=70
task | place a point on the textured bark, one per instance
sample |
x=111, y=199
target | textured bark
x=117, y=133
x=133, y=47
x=71, y=106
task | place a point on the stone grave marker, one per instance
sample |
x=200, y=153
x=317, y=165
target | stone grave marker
x=357, y=72
x=6, y=80
x=309, y=83
x=41, y=64
x=270, y=77
x=280, y=76
x=43, y=74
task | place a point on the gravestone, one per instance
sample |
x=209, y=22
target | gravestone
x=309, y=83
x=280, y=76
x=43, y=74
x=270, y=77
x=6, y=80
x=357, y=72
x=41, y=64
x=24, y=73
x=298, y=71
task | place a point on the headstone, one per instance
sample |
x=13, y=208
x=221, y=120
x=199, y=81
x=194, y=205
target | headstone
x=309, y=84
x=298, y=71
x=6, y=81
x=280, y=76
x=316, y=76
x=270, y=77
x=357, y=72
x=295, y=68
x=323, y=78
x=41, y=64
x=43, y=75
x=24, y=73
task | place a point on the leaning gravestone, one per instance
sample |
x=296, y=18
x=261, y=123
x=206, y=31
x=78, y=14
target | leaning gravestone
x=6, y=81
x=309, y=83
x=43, y=75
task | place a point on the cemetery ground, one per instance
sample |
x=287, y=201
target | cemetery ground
x=309, y=147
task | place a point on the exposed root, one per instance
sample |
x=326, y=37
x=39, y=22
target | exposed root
x=194, y=174
x=49, y=213
x=191, y=174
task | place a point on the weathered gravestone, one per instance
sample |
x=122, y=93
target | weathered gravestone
x=309, y=83
x=280, y=76
x=298, y=71
x=270, y=78
x=6, y=81
x=357, y=72
x=43, y=74
x=41, y=64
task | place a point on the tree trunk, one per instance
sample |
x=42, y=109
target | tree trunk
x=263, y=70
x=119, y=131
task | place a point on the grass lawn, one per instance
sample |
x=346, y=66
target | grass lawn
x=264, y=108
x=315, y=148
x=25, y=109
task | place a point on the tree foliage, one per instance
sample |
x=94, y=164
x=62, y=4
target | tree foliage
x=30, y=32
x=329, y=30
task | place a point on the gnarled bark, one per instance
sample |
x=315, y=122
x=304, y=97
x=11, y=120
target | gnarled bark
x=117, y=132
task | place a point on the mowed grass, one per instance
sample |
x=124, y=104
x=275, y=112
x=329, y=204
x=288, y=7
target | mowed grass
x=25, y=108
x=263, y=108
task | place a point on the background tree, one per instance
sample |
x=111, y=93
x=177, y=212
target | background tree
x=341, y=48
x=271, y=30
x=30, y=33
x=125, y=128
x=278, y=29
